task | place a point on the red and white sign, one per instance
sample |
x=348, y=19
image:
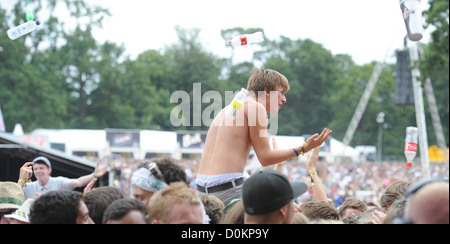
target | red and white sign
x=410, y=147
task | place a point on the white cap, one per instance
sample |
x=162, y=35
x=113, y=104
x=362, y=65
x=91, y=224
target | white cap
x=43, y=159
x=22, y=214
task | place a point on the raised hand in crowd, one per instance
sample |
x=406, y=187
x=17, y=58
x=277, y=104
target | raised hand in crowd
x=316, y=140
x=319, y=192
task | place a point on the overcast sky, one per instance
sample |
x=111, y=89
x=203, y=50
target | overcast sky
x=364, y=29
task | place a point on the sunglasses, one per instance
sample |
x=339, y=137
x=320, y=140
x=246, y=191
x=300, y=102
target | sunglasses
x=154, y=170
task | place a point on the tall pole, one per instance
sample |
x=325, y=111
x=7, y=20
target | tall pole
x=420, y=114
x=362, y=104
x=435, y=118
x=380, y=121
x=349, y=133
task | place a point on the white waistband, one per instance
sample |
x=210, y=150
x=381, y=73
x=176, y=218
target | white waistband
x=215, y=180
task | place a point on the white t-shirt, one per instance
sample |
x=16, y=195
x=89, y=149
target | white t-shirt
x=54, y=184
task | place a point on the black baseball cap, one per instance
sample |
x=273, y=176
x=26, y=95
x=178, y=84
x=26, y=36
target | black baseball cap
x=269, y=190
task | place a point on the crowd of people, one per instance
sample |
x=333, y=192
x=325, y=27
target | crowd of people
x=366, y=181
x=162, y=190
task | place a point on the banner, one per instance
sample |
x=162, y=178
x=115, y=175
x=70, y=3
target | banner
x=123, y=138
x=191, y=139
x=2, y=122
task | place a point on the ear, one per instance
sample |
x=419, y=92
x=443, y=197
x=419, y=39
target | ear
x=267, y=92
x=283, y=211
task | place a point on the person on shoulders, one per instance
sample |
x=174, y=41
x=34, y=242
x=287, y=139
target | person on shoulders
x=229, y=140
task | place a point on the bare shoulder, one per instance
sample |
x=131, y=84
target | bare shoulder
x=252, y=102
x=255, y=112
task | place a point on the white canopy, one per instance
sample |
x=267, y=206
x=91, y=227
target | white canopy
x=164, y=142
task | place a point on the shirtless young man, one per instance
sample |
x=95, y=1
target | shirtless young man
x=229, y=140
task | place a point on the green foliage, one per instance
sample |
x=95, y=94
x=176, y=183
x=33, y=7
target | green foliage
x=436, y=61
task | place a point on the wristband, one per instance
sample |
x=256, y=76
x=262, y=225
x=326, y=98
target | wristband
x=24, y=183
x=302, y=152
x=312, y=177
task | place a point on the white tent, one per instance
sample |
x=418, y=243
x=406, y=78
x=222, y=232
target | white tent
x=158, y=142
x=283, y=142
x=336, y=150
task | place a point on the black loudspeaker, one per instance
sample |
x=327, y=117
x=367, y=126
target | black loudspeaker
x=404, y=92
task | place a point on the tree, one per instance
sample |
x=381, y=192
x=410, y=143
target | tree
x=345, y=100
x=145, y=90
x=436, y=62
x=42, y=84
x=79, y=64
x=109, y=107
x=27, y=95
x=189, y=63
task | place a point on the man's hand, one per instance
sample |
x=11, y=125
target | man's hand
x=319, y=192
x=278, y=167
x=84, y=180
x=316, y=140
x=26, y=172
x=378, y=217
x=99, y=172
x=89, y=186
x=311, y=165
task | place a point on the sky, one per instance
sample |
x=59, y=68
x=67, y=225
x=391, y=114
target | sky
x=367, y=30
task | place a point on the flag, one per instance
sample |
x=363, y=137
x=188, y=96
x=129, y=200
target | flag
x=2, y=122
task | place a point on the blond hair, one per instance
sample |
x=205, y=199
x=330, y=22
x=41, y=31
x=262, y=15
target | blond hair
x=300, y=218
x=162, y=202
x=267, y=79
x=394, y=191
